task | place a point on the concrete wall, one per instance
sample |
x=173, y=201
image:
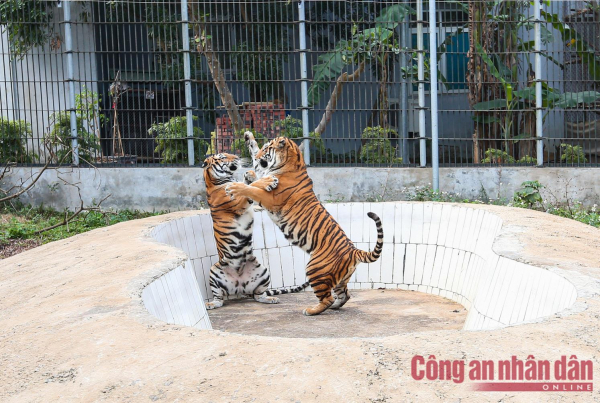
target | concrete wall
x=155, y=189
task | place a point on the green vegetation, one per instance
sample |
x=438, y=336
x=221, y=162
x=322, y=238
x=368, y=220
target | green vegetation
x=378, y=147
x=171, y=137
x=13, y=138
x=22, y=223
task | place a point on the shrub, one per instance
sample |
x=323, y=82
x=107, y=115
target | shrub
x=495, y=156
x=13, y=139
x=378, y=148
x=171, y=137
x=527, y=160
x=529, y=194
x=572, y=154
x=60, y=138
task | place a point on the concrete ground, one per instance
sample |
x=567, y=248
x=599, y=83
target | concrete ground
x=369, y=313
x=73, y=329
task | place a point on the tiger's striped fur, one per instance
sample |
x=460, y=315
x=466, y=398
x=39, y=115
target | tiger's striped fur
x=237, y=272
x=295, y=209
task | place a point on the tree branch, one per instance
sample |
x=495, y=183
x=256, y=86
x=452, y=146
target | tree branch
x=337, y=90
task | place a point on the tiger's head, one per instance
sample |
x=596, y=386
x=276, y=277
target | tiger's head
x=278, y=156
x=219, y=168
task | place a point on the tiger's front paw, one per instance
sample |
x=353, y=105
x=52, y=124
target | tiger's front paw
x=249, y=177
x=248, y=136
x=214, y=304
x=272, y=183
x=234, y=189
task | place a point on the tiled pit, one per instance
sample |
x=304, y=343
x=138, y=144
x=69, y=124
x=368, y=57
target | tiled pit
x=445, y=250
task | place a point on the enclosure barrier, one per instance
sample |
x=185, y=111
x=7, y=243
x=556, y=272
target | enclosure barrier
x=165, y=82
x=437, y=249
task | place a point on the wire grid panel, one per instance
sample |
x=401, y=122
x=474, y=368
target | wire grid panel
x=142, y=68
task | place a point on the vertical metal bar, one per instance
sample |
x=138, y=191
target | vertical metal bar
x=189, y=118
x=304, y=80
x=433, y=93
x=421, y=78
x=539, y=119
x=405, y=44
x=71, y=80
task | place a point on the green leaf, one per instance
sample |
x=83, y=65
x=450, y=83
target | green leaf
x=329, y=66
x=485, y=119
x=392, y=16
x=490, y=105
x=572, y=99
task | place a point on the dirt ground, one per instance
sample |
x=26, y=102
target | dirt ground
x=369, y=313
x=73, y=329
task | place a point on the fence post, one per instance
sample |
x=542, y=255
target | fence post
x=405, y=44
x=71, y=80
x=539, y=118
x=421, y=83
x=433, y=94
x=189, y=117
x=304, y=81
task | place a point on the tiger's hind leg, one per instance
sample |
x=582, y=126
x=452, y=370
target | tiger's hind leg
x=321, y=283
x=220, y=285
x=259, y=279
x=341, y=294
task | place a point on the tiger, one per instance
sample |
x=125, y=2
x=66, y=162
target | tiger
x=295, y=209
x=237, y=272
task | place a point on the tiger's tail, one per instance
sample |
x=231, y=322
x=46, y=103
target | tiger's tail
x=286, y=290
x=370, y=257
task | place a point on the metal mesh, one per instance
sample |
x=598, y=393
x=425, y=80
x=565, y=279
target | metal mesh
x=155, y=83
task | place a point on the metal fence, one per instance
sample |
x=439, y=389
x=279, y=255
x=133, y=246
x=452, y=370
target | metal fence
x=150, y=83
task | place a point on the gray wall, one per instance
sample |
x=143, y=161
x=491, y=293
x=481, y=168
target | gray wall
x=155, y=189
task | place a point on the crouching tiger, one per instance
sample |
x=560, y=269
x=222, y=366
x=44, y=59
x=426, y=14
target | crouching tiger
x=295, y=209
x=237, y=272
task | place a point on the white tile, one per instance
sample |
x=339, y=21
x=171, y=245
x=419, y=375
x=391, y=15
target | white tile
x=388, y=222
x=434, y=228
x=374, y=268
x=258, y=232
x=376, y=208
x=362, y=270
x=413, y=287
x=269, y=233
x=387, y=263
x=443, y=279
x=298, y=256
x=460, y=228
x=287, y=265
x=427, y=211
x=420, y=263
x=410, y=261
x=416, y=227
x=357, y=218
x=209, y=237
x=332, y=208
x=199, y=248
x=467, y=228
x=452, y=227
x=403, y=287
x=444, y=224
x=437, y=266
x=366, y=286
x=398, y=223
x=345, y=217
x=452, y=270
x=398, y=270
x=406, y=222
x=275, y=268
x=428, y=266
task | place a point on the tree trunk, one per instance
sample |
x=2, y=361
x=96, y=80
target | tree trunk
x=475, y=71
x=337, y=90
x=206, y=48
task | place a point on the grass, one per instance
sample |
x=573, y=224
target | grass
x=19, y=224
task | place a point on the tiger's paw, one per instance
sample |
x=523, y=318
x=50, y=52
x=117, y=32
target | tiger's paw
x=310, y=312
x=249, y=177
x=248, y=136
x=214, y=304
x=234, y=189
x=273, y=185
x=263, y=299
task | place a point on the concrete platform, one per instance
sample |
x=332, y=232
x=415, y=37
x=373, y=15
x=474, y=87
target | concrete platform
x=74, y=328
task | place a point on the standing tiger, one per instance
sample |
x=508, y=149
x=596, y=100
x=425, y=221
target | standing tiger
x=304, y=221
x=237, y=272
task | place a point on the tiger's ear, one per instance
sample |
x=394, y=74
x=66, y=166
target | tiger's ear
x=281, y=144
x=204, y=164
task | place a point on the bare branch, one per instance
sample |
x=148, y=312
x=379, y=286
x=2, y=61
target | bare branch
x=337, y=90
